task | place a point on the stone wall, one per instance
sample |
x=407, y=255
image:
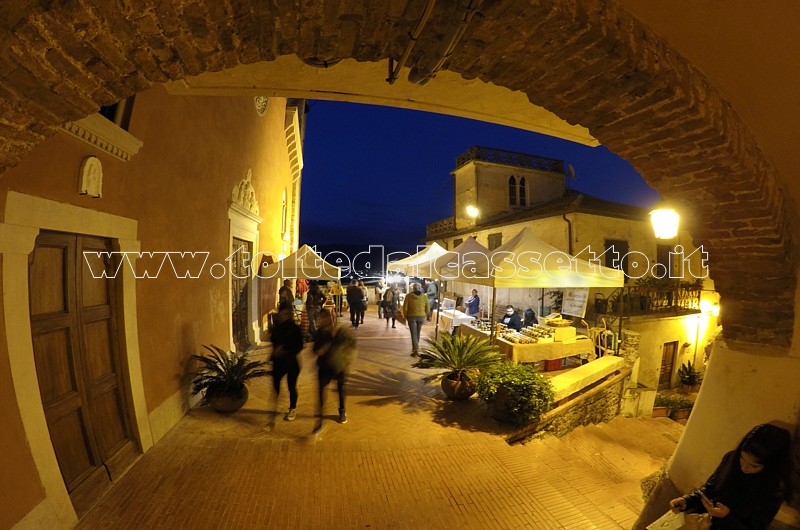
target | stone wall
x=598, y=405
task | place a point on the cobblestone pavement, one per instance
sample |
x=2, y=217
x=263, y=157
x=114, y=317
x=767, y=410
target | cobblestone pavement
x=406, y=459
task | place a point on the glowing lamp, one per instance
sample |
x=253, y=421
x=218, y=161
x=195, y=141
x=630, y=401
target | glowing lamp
x=665, y=222
x=472, y=211
x=715, y=310
x=705, y=306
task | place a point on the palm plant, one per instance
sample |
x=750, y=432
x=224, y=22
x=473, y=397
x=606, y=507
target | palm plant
x=224, y=374
x=461, y=357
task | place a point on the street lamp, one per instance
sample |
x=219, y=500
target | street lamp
x=472, y=211
x=665, y=222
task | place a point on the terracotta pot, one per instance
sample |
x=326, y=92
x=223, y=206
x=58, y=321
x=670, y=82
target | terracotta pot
x=660, y=412
x=680, y=414
x=229, y=404
x=457, y=390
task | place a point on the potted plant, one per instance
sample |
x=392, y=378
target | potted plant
x=517, y=393
x=462, y=358
x=223, y=376
x=662, y=406
x=690, y=378
x=681, y=408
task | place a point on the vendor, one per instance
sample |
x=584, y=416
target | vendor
x=529, y=318
x=511, y=319
x=473, y=304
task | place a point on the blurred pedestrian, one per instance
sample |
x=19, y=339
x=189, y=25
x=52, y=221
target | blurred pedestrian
x=336, y=349
x=287, y=342
x=415, y=310
x=314, y=302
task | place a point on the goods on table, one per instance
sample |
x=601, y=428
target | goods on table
x=529, y=335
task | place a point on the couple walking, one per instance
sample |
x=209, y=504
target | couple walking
x=335, y=349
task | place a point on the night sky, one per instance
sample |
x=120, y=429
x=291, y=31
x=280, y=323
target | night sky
x=378, y=175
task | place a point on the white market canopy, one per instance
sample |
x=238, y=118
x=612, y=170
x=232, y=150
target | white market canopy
x=420, y=264
x=467, y=262
x=527, y=261
x=304, y=263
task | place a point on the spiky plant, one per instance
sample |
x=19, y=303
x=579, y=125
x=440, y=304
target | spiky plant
x=224, y=373
x=461, y=357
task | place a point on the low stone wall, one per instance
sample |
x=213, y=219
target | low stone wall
x=599, y=404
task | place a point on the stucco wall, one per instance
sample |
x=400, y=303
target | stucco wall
x=178, y=188
x=692, y=333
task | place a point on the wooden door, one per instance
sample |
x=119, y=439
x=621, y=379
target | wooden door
x=668, y=356
x=73, y=323
x=241, y=253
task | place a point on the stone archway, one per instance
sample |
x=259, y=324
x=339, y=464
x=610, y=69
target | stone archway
x=589, y=62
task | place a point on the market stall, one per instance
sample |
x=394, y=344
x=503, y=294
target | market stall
x=418, y=265
x=304, y=263
x=525, y=261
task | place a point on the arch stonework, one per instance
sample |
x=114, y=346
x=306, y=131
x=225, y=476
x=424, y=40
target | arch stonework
x=588, y=61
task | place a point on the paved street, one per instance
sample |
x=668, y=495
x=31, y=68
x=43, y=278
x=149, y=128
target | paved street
x=406, y=459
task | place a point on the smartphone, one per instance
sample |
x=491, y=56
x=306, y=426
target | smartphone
x=705, y=497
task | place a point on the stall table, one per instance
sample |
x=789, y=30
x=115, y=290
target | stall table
x=529, y=353
x=450, y=318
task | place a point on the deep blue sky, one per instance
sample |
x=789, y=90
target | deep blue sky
x=378, y=175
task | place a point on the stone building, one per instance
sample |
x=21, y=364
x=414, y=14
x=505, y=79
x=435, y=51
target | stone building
x=700, y=97
x=511, y=191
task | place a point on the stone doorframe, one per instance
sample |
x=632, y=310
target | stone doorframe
x=25, y=216
x=244, y=220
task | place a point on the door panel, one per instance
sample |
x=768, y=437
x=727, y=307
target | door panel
x=73, y=323
x=48, y=269
x=72, y=447
x=54, y=367
x=97, y=337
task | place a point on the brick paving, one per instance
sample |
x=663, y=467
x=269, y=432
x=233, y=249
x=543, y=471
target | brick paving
x=406, y=459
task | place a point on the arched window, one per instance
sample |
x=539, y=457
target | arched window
x=512, y=191
x=523, y=200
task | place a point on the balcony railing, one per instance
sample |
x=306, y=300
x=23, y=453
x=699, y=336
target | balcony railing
x=442, y=226
x=510, y=158
x=655, y=301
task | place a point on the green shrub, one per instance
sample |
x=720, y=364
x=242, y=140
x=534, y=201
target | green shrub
x=673, y=402
x=519, y=390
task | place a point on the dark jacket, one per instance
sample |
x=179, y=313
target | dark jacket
x=753, y=499
x=355, y=296
x=513, y=322
x=287, y=342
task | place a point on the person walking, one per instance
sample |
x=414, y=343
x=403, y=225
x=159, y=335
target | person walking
x=364, y=300
x=379, y=291
x=314, y=302
x=287, y=342
x=354, y=300
x=415, y=309
x=337, y=291
x=336, y=349
x=432, y=292
x=390, y=299
x=285, y=293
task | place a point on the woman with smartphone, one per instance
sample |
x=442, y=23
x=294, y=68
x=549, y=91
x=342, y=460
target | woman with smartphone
x=748, y=486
